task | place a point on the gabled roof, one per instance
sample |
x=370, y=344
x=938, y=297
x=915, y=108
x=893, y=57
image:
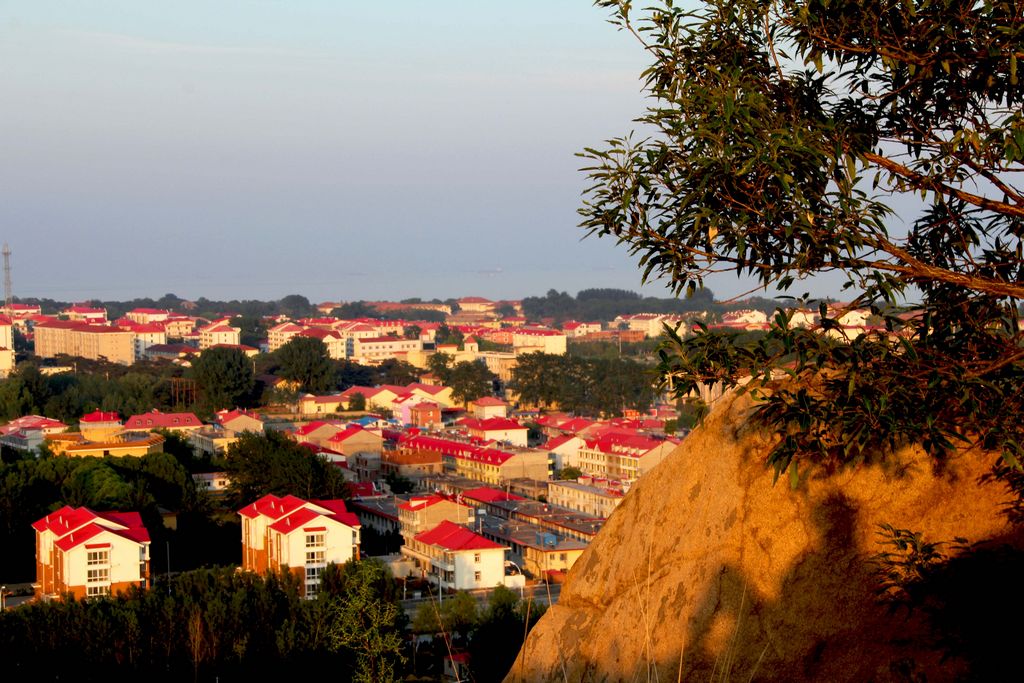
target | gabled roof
x=491, y=424
x=225, y=416
x=272, y=506
x=489, y=401
x=305, y=516
x=451, y=536
x=156, y=419
x=311, y=427
x=74, y=526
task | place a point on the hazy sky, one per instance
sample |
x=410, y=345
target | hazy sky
x=330, y=148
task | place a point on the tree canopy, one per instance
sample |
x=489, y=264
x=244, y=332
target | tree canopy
x=305, y=360
x=881, y=141
x=225, y=376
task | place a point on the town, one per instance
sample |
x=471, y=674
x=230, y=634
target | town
x=456, y=449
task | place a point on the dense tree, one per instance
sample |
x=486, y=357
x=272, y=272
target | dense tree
x=413, y=332
x=305, y=360
x=225, y=377
x=357, y=402
x=470, y=380
x=439, y=365
x=499, y=633
x=781, y=137
x=394, y=371
x=259, y=464
x=588, y=386
x=447, y=335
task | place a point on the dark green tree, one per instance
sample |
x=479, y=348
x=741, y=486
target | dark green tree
x=779, y=138
x=225, y=377
x=470, y=380
x=260, y=464
x=357, y=402
x=305, y=360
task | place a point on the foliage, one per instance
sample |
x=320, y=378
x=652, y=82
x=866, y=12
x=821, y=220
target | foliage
x=447, y=335
x=782, y=134
x=608, y=304
x=305, y=360
x=30, y=488
x=470, y=380
x=587, y=386
x=367, y=623
x=907, y=563
x=225, y=377
x=258, y=464
x=208, y=624
x=357, y=401
x=399, y=484
x=568, y=473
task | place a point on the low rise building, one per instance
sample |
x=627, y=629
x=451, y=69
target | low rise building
x=455, y=558
x=587, y=498
x=289, y=534
x=89, y=554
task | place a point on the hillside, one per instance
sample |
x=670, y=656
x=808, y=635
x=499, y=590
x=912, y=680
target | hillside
x=709, y=572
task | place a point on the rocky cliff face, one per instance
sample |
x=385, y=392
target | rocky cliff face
x=708, y=571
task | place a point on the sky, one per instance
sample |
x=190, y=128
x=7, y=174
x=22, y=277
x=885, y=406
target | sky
x=336, y=149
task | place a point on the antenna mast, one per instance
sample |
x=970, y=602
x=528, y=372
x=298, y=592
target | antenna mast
x=8, y=296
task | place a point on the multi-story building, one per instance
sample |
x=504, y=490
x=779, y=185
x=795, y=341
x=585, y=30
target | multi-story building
x=375, y=350
x=175, y=422
x=147, y=316
x=587, y=498
x=6, y=346
x=219, y=332
x=96, y=342
x=480, y=462
x=28, y=432
x=622, y=456
x=455, y=558
x=297, y=536
x=279, y=335
x=88, y=554
x=420, y=513
x=529, y=340
x=85, y=314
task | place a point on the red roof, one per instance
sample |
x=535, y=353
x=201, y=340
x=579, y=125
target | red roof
x=74, y=526
x=272, y=506
x=156, y=419
x=486, y=494
x=491, y=424
x=304, y=516
x=98, y=416
x=225, y=416
x=489, y=401
x=451, y=536
x=310, y=427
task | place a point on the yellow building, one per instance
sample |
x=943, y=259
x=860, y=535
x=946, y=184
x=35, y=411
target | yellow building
x=96, y=342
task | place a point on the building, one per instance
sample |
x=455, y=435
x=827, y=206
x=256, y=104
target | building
x=175, y=422
x=85, y=314
x=527, y=340
x=6, y=346
x=591, y=499
x=622, y=456
x=484, y=463
x=88, y=554
x=375, y=350
x=27, y=433
x=297, y=536
x=496, y=429
x=219, y=332
x=488, y=407
x=95, y=342
x=455, y=558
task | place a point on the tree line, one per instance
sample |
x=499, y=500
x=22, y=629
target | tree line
x=608, y=304
x=214, y=623
x=585, y=386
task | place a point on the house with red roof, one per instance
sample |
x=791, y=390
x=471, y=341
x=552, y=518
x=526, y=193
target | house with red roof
x=420, y=513
x=99, y=425
x=622, y=454
x=28, y=432
x=86, y=314
x=88, y=554
x=175, y=422
x=495, y=429
x=376, y=350
x=481, y=461
x=539, y=340
x=456, y=558
x=219, y=332
x=298, y=536
x=317, y=432
x=488, y=407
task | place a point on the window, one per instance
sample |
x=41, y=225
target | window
x=476, y=576
x=94, y=557
x=314, y=540
x=313, y=574
x=98, y=575
x=476, y=557
x=96, y=591
x=315, y=557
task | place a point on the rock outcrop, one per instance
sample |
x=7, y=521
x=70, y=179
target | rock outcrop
x=708, y=571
